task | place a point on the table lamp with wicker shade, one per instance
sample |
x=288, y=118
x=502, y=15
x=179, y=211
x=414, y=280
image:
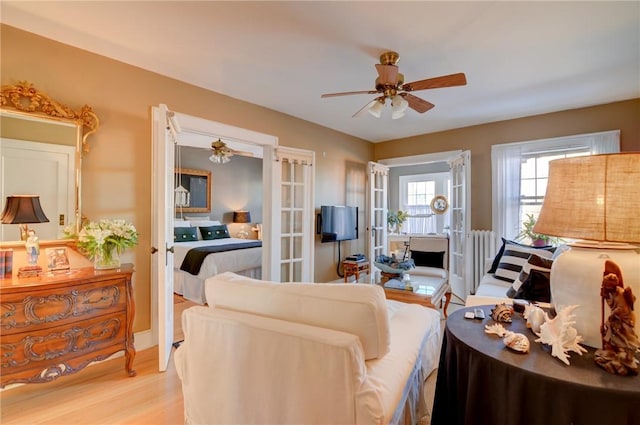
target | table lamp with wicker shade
x=596, y=200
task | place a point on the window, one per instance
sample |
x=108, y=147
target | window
x=520, y=173
x=416, y=193
x=534, y=174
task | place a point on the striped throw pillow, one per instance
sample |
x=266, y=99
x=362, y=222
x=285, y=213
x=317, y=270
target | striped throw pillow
x=514, y=258
x=535, y=262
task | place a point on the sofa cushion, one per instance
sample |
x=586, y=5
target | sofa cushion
x=536, y=287
x=356, y=309
x=514, y=258
x=428, y=258
x=535, y=262
x=496, y=259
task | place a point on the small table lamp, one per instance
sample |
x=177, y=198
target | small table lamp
x=595, y=199
x=242, y=217
x=22, y=210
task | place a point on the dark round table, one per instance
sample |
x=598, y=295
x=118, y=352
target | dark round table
x=480, y=381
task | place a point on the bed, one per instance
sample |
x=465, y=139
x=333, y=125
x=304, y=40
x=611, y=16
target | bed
x=241, y=256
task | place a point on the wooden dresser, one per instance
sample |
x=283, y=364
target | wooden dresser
x=55, y=325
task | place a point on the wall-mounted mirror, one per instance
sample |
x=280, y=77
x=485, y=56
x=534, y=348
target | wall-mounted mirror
x=41, y=146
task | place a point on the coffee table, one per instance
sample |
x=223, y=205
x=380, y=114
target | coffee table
x=427, y=291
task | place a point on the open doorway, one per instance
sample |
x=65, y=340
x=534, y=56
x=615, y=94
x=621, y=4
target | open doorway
x=446, y=212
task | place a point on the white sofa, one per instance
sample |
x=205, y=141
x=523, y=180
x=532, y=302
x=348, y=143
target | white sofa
x=276, y=353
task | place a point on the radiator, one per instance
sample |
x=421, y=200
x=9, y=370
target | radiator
x=481, y=244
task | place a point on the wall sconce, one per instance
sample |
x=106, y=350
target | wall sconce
x=242, y=217
x=22, y=210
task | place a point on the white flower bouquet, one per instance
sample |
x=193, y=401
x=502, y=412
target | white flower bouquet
x=102, y=241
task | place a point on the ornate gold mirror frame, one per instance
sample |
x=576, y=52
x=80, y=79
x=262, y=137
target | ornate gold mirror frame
x=24, y=102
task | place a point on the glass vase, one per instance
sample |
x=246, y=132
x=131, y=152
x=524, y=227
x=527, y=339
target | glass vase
x=106, y=259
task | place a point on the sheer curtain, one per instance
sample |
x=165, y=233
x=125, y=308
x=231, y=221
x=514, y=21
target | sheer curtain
x=505, y=172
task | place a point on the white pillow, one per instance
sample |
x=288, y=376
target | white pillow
x=356, y=309
x=181, y=223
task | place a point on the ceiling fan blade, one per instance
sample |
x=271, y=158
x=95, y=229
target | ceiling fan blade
x=365, y=108
x=347, y=93
x=388, y=74
x=438, y=82
x=417, y=104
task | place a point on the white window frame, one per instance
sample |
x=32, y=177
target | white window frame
x=506, y=162
x=442, y=187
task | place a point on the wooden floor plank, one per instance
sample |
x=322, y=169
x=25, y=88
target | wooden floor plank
x=100, y=394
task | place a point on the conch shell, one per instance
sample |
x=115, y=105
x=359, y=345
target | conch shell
x=561, y=335
x=502, y=313
x=534, y=316
x=515, y=341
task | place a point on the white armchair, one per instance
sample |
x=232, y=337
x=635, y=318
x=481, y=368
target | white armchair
x=265, y=352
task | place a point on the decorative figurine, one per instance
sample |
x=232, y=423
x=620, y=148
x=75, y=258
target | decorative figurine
x=502, y=313
x=561, y=335
x=515, y=341
x=619, y=340
x=32, y=245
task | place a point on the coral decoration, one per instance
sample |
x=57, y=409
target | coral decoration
x=619, y=340
x=561, y=335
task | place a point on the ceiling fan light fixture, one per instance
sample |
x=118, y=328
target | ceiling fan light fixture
x=398, y=106
x=221, y=154
x=376, y=108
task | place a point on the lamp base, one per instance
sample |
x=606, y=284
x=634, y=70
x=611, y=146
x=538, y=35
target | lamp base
x=576, y=279
x=29, y=271
x=242, y=234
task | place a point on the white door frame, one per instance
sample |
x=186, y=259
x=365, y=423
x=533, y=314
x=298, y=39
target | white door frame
x=237, y=138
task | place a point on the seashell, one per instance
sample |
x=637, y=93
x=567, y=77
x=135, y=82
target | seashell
x=514, y=341
x=561, y=335
x=535, y=318
x=502, y=313
x=517, y=342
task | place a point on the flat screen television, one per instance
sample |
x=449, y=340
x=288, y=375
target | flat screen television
x=337, y=223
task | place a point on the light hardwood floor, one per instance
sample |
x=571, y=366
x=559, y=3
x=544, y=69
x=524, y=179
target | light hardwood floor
x=100, y=394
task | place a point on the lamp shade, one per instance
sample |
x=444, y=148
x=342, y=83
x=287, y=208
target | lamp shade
x=22, y=209
x=593, y=197
x=376, y=108
x=242, y=217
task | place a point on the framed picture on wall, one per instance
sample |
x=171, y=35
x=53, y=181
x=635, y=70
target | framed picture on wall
x=192, y=190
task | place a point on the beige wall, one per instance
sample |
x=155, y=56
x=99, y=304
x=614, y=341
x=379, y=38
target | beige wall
x=624, y=116
x=117, y=172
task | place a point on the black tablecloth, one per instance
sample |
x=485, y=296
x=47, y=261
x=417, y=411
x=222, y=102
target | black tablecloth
x=480, y=381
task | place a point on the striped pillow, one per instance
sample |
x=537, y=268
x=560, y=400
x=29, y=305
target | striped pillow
x=514, y=258
x=535, y=262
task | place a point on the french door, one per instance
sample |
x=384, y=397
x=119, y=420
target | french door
x=460, y=168
x=290, y=234
x=377, y=204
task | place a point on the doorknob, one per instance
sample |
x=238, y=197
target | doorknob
x=154, y=249
x=170, y=250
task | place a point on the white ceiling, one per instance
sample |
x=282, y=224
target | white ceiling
x=520, y=58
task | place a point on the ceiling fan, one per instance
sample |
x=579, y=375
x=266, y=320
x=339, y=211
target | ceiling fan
x=221, y=153
x=390, y=85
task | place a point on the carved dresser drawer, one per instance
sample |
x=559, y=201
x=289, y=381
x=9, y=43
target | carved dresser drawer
x=55, y=325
